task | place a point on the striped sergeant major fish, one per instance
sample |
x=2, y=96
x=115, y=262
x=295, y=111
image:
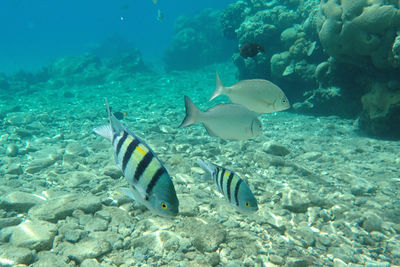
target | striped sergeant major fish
x=235, y=190
x=150, y=182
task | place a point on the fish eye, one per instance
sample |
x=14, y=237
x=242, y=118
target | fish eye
x=164, y=206
x=283, y=100
x=247, y=204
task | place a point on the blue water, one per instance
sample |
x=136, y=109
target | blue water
x=33, y=33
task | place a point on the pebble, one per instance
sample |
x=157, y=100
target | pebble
x=307, y=235
x=311, y=156
x=87, y=249
x=23, y=132
x=189, y=206
x=116, y=240
x=75, y=148
x=47, y=258
x=360, y=186
x=377, y=264
x=275, y=149
x=73, y=235
x=324, y=239
x=373, y=223
x=14, y=169
x=275, y=259
x=18, y=118
x=38, y=164
x=21, y=201
x=63, y=206
x=12, y=150
x=158, y=241
x=12, y=256
x=90, y=263
x=77, y=178
x=34, y=234
x=205, y=236
x=339, y=263
x=6, y=232
x=272, y=219
x=6, y=222
x=343, y=252
x=91, y=223
x=293, y=262
x=295, y=201
x=113, y=172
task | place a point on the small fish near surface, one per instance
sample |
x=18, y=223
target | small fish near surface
x=258, y=95
x=235, y=190
x=227, y=121
x=150, y=182
x=249, y=49
x=160, y=15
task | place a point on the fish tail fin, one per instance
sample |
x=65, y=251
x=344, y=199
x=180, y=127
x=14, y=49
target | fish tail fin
x=206, y=166
x=219, y=88
x=192, y=112
x=107, y=131
x=104, y=131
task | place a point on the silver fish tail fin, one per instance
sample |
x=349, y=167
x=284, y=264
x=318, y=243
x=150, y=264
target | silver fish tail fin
x=207, y=167
x=104, y=131
x=107, y=131
x=192, y=112
x=219, y=88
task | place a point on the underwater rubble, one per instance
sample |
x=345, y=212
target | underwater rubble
x=327, y=196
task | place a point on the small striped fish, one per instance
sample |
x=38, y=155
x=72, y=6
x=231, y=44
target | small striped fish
x=151, y=184
x=235, y=190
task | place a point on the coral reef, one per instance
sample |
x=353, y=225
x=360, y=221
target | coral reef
x=326, y=55
x=281, y=27
x=360, y=32
x=80, y=69
x=198, y=41
x=381, y=114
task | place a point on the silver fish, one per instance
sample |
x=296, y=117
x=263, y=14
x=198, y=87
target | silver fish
x=235, y=190
x=228, y=121
x=261, y=96
x=150, y=182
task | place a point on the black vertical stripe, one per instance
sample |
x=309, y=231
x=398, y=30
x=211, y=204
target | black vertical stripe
x=115, y=136
x=154, y=180
x=128, y=153
x=143, y=165
x=216, y=178
x=120, y=142
x=237, y=191
x=228, y=186
x=221, y=181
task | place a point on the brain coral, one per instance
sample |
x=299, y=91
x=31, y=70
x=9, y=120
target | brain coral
x=360, y=31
